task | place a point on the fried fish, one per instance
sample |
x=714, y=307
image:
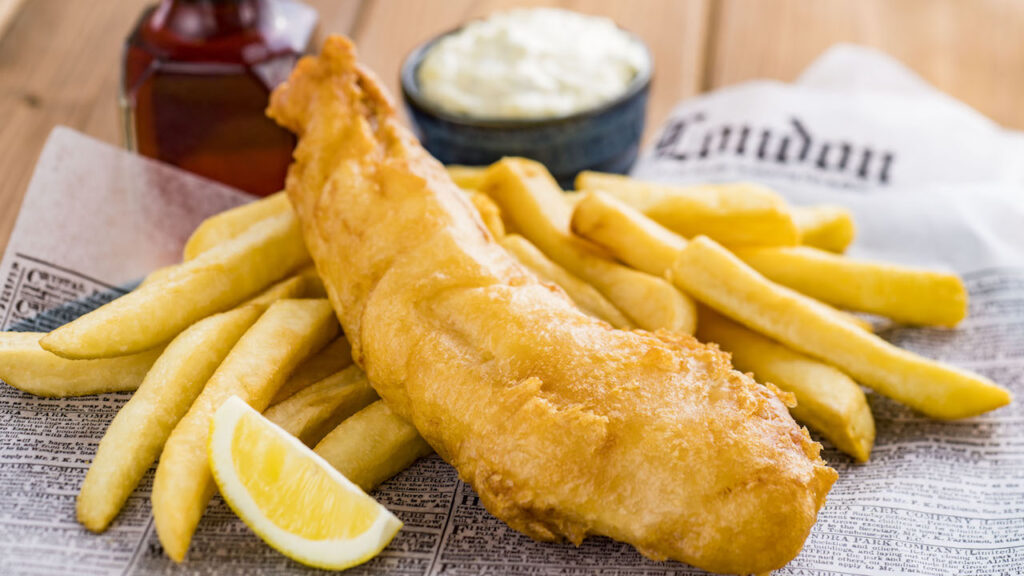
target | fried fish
x=565, y=426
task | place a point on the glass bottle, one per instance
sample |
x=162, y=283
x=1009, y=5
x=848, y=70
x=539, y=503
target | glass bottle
x=195, y=82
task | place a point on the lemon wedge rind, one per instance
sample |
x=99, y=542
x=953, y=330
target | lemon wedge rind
x=330, y=554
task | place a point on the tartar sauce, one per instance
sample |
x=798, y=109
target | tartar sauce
x=529, y=64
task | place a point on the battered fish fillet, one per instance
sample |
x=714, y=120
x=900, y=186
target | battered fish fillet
x=564, y=426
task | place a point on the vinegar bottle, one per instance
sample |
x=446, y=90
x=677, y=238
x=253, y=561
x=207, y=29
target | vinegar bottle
x=195, y=82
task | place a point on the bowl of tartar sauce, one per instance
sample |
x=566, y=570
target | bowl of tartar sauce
x=566, y=89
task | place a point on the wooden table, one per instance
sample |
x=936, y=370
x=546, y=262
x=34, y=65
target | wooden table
x=59, y=59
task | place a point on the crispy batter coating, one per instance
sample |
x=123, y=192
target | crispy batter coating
x=563, y=425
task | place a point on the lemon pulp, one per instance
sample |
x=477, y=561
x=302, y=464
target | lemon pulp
x=293, y=492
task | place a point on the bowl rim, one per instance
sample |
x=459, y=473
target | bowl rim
x=414, y=98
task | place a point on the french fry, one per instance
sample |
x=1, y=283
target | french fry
x=825, y=226
x=584, y=295
x=314, y=286
x=216, y=280
x=572, y=197
x=639, y=241
x=467, y=177
x=372, y=446
x=721, y=280
x=25, y=365
x=316, y=410
x=489, y=213
x=852, y=320
x=156, y=275
x=294, y=287
x=530, y=198
x=230, y=224
x=740, y=214
x=626, y=233
x=827, y=400
x=138, y=432
x=334, y=358
x=905, y=294
x=286, y=334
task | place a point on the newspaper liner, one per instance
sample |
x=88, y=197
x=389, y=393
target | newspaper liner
x=931, y=183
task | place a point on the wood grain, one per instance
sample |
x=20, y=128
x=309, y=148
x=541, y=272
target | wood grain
x=973, y=50
x=60, y=59
x=60, y=64
x=8, y=10
x=336, y=16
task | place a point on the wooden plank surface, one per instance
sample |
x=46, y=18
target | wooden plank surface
x=48, y=77
x=60, y=59
x=972, y=49
x=8, y=10
x=60, y=64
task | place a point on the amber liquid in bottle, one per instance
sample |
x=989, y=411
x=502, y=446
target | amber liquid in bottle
x=196, y=80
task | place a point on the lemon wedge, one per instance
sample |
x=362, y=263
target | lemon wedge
x=291, y=497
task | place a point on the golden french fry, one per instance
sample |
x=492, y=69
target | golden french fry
x=584, y=295
x=467, y=177
x=232, y=223
x=156, y=275
x=852, y=320
x=216, y=280
x=334, y=358
x=639, y=241
x=372, y=446
x=827, y=400
x=314, y=286
x=25, y=365
x=825, y=226
x=626, y=233
x=316, y=410
x=138, y=432
x=571, y=197
x=740, y=214
x=903, y=293
x=286, y=334
x=489, y=213
x=721, y=280
x=294, y=287
x=531, y=200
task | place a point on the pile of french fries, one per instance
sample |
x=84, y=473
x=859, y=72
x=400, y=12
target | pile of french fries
x=245, y=314
x=737, y=266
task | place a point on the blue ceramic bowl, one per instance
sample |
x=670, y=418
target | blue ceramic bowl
x=606, y=138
